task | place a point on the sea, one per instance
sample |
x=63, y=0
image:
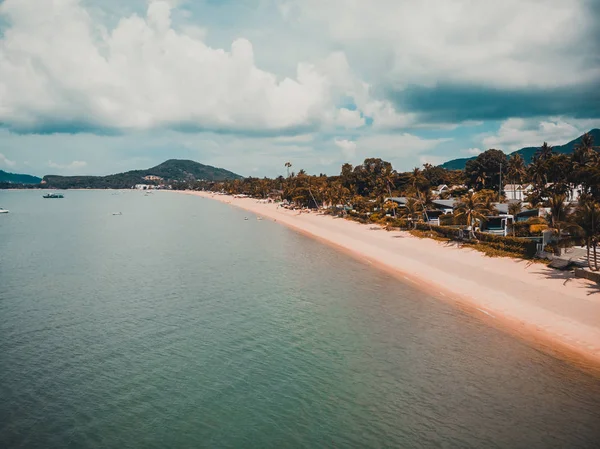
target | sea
x=179, y=324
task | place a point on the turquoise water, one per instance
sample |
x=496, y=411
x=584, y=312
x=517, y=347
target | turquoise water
x=179, y=325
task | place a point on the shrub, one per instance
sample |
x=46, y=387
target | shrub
x=502, y=245
x=536, y=229
x=447, y=220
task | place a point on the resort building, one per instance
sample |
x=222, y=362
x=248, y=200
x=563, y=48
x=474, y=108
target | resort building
x=517, y=192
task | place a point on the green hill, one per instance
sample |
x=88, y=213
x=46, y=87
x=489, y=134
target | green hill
x=173, y=170
x=527, y=152
x=15, y=178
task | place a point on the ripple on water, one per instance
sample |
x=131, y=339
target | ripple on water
x=181, y=325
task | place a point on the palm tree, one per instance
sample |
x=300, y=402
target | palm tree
x=480, y=181
x=558, y=213
x=514, y=209
x=472, y=206
x=544, y=152
x=411, y=210
x=390, y=205
x=587, y=221
x=288, y=165
x=516, y=171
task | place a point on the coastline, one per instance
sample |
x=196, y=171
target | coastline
x=551, y=310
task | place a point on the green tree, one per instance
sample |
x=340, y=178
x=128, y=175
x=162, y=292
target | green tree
x=471, y=207
x=484, y=170
x=558, y=215
x=587, y=221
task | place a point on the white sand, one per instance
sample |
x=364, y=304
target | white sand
x=550, y=309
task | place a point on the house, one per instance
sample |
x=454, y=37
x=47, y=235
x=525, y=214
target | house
x=447, y=206
x=517, y=192
x=497, y=224
x=573, y=194
x=399, y=200
x=440, y=189
x=433, y=216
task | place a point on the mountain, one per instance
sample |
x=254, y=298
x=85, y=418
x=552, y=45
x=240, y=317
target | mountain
x=15, y=178
x=527, y=152
x=172, y=170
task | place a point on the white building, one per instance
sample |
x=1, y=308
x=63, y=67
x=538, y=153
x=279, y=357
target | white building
x=517, y=192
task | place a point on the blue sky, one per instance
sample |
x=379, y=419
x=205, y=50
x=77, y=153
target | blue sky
x=96, y=87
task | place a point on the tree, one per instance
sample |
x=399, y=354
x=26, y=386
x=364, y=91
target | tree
x=587, y=221
x=516, y=171
x=514, y=209
x=411, y=210
x=288, y=165
x=558, y=214
x=586, y=166
x=543, y=153
x=484, y=170
x=471, y=207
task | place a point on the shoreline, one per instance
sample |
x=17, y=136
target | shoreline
x=551, y=310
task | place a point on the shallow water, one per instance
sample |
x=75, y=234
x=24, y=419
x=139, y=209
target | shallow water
x=180, y=324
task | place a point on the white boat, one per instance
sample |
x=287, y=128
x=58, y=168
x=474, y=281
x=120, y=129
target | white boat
x=3, y=211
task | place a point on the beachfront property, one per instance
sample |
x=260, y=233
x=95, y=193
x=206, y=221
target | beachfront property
x=517, y=192
x=440, y=189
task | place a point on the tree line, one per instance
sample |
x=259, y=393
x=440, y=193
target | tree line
x=364, y=188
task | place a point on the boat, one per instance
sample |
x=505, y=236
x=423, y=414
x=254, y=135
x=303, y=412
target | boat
x=3, y=211
x=117, y=213
x=53, y=195
x=245, y=218
x=259, y=218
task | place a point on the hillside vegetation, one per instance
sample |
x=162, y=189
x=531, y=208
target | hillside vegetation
x=526, y=153
x=173, y=170
x=15, y=178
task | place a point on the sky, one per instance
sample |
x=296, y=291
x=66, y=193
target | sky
x=103, y=86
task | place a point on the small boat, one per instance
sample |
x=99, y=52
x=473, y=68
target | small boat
x=3, y=211
x=117, y=213
x=245, y=218
x=259, y=218
x=53, y=195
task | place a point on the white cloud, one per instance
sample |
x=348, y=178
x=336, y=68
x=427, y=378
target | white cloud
x=516, y=133
x=348, y=147
x=463, y=41
x=142, y=74
x=471, y=151
x=75, y=165
x=5, y=162
x=386, y=117
x=346, y=118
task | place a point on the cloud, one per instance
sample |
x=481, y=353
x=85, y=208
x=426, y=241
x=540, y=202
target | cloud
x=516, y=133
x=464, y=102
x=346, y=118
x=75, y=165
x=451, y=61
x=348, y=147
x=68, y=73
x=471, y=151
x=5, y=162
x=460, y=41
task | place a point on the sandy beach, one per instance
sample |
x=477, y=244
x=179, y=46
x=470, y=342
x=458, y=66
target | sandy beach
x=551, y=310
